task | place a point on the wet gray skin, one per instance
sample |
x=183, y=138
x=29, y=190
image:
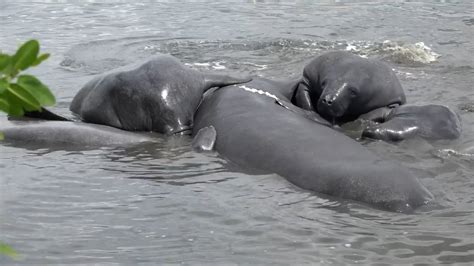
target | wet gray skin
x=255, y=132
x=429, y=121
x=161, y=203
x=161, y=95
x=72, y=134
x=341, y=86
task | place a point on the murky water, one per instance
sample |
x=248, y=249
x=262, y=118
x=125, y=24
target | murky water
x=163, y=203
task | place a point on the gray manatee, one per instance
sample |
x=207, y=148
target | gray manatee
x=429, y=121
x=160, y=95
x=255, y=126
x=68, y=133
x=340, y=86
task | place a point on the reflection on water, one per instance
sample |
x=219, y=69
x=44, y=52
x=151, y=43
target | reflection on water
x=163, y=203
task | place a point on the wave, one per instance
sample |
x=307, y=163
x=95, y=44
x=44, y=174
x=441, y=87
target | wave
x=251, y=56
x=407, y=53
x=447, y=153
x=467, y=107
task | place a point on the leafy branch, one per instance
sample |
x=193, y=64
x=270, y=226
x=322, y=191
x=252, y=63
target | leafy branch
x=22, y=92
x=7, y=250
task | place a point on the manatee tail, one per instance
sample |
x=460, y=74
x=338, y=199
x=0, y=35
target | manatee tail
x=217, y=80
x=45, y=114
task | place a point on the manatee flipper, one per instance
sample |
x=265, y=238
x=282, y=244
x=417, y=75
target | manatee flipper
x=393, y=130
x=302, y=97
x=379, y=115
x=430, y=121
x=217, y=80
x=205, y=139
x=45, y=114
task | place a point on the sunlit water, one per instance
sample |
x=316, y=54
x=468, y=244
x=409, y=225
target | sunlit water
x=163, y=203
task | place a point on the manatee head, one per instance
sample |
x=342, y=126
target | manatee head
x=344, y=86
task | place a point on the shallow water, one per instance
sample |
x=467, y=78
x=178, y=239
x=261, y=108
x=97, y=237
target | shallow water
x=163, y=203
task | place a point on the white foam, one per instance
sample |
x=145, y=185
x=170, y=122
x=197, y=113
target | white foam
x=415, y=53
x=451, y=152
x=214, y=65
x=351, y=47
x=202, y=64
x=258, y=66
x=217, y=65
x=399, y=52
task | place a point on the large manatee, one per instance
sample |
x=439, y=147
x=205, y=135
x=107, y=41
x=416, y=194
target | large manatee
x=255, y=126
x=160, y=95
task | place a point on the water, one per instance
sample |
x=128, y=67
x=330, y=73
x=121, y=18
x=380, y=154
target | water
x=163, y=203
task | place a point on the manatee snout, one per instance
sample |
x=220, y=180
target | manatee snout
x=336, y=98
x=328, y=100
x=332, y=105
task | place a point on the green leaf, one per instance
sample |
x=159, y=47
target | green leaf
x=7, y=250
x=5, y=61
x=4, y=106
x=40, y=59
x=27, y=101
x=41, y=93
x=26, y=55
x=1, y=138
x=15, y=105
x=3, y=85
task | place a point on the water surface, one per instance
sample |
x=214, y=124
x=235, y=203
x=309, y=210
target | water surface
x=163, y=203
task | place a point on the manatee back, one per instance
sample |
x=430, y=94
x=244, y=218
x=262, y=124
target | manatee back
x=159, y=95
x=71, y=134
x=256, y=133
x=433, y=121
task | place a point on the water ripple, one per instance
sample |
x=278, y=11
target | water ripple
x=162, y=203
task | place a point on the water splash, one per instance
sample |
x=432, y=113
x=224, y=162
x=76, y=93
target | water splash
x=467, y=107
x=396, y=52
x=407, y=53
x=214, y=65
x=100, y=56
x=452, y=153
